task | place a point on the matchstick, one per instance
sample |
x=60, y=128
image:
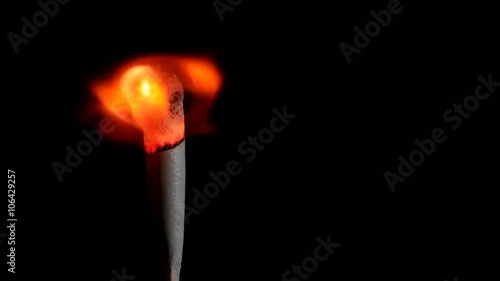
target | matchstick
x=165, y=164
x=152, y=101
x=166, y=175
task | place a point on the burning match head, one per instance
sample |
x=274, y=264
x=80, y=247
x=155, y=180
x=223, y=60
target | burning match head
x=155, y=104
x=151, y=101
x=148, y=94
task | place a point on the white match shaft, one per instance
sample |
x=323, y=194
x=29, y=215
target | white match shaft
x=169, y=171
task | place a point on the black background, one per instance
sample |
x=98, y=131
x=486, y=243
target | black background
x=322, y=175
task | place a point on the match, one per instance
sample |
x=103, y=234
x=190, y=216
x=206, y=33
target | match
x=157, y=105
x=152, y=101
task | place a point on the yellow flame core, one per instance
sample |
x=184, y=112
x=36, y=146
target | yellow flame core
x=146, y=88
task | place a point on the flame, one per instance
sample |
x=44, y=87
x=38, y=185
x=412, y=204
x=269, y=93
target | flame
x=148, y=92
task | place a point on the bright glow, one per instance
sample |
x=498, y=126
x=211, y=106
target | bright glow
x=145, y=88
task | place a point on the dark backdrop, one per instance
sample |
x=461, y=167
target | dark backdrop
x=322, y=175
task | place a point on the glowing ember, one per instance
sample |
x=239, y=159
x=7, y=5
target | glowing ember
x=148, y=94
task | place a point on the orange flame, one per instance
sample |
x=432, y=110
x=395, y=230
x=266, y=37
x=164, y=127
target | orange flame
x=147, y=93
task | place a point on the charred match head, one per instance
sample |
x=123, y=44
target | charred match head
x=153, y=101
